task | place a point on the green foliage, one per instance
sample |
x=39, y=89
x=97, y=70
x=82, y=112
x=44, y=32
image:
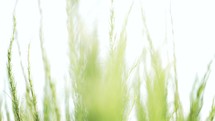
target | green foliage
x=97, y=89
x=197, y=97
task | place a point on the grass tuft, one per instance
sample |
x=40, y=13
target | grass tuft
x=197, y=96
x=98, y=88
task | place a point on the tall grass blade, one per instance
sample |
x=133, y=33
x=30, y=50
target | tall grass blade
x=13, y=90
x=51, y=111
x=197, y=96
x=156, y=82
x=31, y=93
x=177, y=103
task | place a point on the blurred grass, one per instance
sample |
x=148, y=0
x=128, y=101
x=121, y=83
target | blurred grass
x=212, y=113
x=98, y=90
x=51, y=110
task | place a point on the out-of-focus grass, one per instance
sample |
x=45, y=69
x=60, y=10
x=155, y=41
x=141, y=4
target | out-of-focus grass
x=197, y=96
x=97, y=89
x=100, y=93
x=51, y=110
x=212, y=113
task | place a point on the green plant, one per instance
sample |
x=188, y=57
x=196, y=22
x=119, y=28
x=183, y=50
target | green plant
x=15, y=102
x=98, y=89
x=212, y=113
x=51, y=110
x=30, y=94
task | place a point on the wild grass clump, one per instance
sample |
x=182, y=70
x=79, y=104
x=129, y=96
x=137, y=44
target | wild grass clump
x=197, y=96
x=97, y=89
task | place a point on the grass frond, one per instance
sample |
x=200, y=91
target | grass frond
x=197, y=96
x=12, y=83
x=51, y=111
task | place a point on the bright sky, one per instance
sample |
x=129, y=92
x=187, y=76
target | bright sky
x=194, y=28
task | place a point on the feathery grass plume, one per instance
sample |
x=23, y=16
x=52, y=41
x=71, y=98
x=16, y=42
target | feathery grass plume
x=197, y=96
x=76, y=58
x=46, y=98
x=178, y=111
x=92, y=83
x=85, y=80
x=114, y=78
x=156, y=82
x=88, y=86
x=101, y=103
x=51, y=110
x=212, y=113
x=15, y=101
x=74, y=43
x=31, y=97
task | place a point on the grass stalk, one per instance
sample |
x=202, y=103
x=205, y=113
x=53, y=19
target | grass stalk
x=197, y=96
x=46, y=104
x=156, y=82
x=177, y=103
x=13, y=90
x=31, y=93
x=50, y=91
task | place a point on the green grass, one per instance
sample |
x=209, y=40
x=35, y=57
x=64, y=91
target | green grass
x=12, y=83
x=98, y=90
